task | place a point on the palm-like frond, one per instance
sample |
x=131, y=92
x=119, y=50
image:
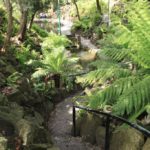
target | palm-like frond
x=128, y=43
x=55, y=62
x=111, y=94
x=134, y=98
x=117, y=54
x=97, y=64
x=100, y=76
x=40, y=72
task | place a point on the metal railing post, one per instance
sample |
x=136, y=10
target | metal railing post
x=74, y=121
x=107, y=142
x=108, y=121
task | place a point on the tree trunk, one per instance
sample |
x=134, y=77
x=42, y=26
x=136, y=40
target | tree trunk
x=31, y=21
x=9, y=27
x=23, y=25
x=98, y=7
x=55, y=5
x=78, y=14
x=57, y=78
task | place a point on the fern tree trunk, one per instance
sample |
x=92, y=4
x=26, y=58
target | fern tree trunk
x=10, y=25
x=77, y=9
x=57, y=78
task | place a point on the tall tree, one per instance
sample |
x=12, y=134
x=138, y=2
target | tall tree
x=9, y=8
x=37, y=5
x=77, y=9
x=24, y=8
x=99, y=8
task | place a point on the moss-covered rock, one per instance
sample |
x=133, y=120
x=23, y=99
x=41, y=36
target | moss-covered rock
x=79, y=122
x=147, y=145
x=126, y=139
x=26, y=131
x=11, y=113
x=100, y=136
x=42, y=136
x=88, y=128
x=16, y=96
x=40, y=147
x=34, y=117
x=3, y=143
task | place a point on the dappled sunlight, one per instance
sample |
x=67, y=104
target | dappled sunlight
x=56, y=55
x=70, y=111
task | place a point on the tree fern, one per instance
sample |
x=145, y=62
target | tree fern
x=126, y=44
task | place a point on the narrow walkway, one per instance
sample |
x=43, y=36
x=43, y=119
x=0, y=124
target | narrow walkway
x=60, y=126
x=60, y=122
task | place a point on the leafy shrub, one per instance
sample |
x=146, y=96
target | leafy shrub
x=1, y=39
x=25, y=54
x=13, y=78
x=54, y=41
x=122, y=79
x=41, y=32
x=90, y=18
x=55, y=62
x=3, y=20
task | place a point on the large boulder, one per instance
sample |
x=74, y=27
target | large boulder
x=48, y=107
x=16, y=96
x=147, y=145
x=42, y=147
x=23, y=93
x=31, y=133
x=3, y=143
x=26, y=130
x=79, y=122
x=11, y=113
x=126, y=139
x=34, y=117
x=88, y=128
x=100, y=136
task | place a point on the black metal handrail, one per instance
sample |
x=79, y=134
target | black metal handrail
x=108, y=117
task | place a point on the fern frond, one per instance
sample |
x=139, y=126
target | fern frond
x=34, y=63
x=134, y=98
x=103, y=64
x=111, y=94
x=100, y=76
x=41, y=72
x=117, y=54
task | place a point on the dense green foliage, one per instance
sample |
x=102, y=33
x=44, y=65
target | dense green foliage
x=119, y=76
x=124, y=76
x=91, y=19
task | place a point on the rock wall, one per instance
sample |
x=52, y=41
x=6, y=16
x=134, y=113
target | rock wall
x=92, y=129
x=22, y=122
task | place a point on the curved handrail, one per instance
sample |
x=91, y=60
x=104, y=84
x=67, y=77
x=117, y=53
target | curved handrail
x=108, y=116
